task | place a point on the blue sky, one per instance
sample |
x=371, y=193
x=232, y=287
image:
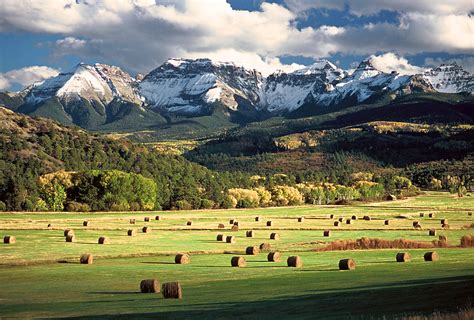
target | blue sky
x=139, y=35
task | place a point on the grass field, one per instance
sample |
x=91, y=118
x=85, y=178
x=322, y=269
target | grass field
x=40, y=275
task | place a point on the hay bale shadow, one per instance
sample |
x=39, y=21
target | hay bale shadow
x=157, y=262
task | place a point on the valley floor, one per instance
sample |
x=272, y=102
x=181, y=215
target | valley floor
x=34, y=284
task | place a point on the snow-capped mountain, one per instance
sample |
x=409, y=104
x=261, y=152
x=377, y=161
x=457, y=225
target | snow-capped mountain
x=99, y=82
x=189, y=86
x=450, y=78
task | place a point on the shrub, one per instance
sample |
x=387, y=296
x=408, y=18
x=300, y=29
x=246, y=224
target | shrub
x=77, y=207
x=206, y=204
x=183, y=205
x=3, y=206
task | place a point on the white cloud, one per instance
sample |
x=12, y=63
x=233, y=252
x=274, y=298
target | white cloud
x=467, y=63
x=389, y=62
x=26, y=76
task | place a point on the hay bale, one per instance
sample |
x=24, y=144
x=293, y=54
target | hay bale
x=181, y=258
x=71, y=238
x=150, y=286
x=274, y=256
x=445, y=226
x=415, y=223
x=254, y=250
x=336, y=223
x=86, y=258
x=347, y=264
x=189, y=223
x=444, y=221
x=432, y=232
x=132, y=221
x=391, y=197
x=146, y=219
x=422, y=214
x=274, y=236
x=257, y=219
x=349, y=221
x=172, y=290
x=220, y=237
x=234, y=228
x=131, y=232
x=403, y=257
x=50, y=226
x=431, y=256
x=418, y=227
x=443, y=238
x=354, y=217
x=387, y=222
x=146, y=229
x=238, y=262
x=250, y=234
x=341, y=219
x=331, y=216
x=294, y=261
x=269, y=223
x=85, y=224
x=9, y=239
x=469, y=214
x=366, y=218
x=68, y=232
x=221, y=226
x=431, y=215
x=232, y=221
x=301, y=219
x=158, y=218
x=327, y=233
x=230, y=239
x=265, y=246
x=104, y=240
x=236, y=223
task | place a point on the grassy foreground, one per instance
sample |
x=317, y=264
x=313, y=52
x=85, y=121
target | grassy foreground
x=212, y=289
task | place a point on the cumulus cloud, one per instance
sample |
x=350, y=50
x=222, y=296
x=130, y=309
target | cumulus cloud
x=141, y=34
x=26, y=76
x=389, y=62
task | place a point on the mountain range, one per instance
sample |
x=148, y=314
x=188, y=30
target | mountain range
x=103, y=97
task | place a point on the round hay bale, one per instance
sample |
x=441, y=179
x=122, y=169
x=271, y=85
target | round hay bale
x=189, y=223
x=131, y=232
x=265, y=246
x=349, y=221
x=469, y=214
x=220, y=237
x=104, y=240
x=431, y=215
x=274, y=256
x=336, y=223
x=387, y=222
x=150, y=286
x=234, y=228
x=50, y=226
x=230, y=239
x=415, y=223
x=232, y=221
x=418, y=227
x=236, y=223
x=444, y=221
x=301, y=219
x=422, y=214
x=274, y=236
x=85, y=224
x=443, y=238
x=269, y=223
x=9, y=239
x=294, y=261
x=431, y=256
x=331, y=216
x=238, y=262
x=181, y=258
x=347, y=264
x=403, y=257
x=257, y=219
x=146, y=219
x=366, y=218
x=172, y=290
x=432, y=232
x=391, y=197
x=341, y=219
x=158, y=218
x=68, y=232
x=86, y=258
x=252, y=250
x=250, y=234
x=146, y=229
x=327, y=233
x=354, y=217
x=445, y=226
x=71, y=238
x=221, y=226
x=132, y=221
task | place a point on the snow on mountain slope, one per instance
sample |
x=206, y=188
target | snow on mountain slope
x=450, y=78
x=98, y=82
